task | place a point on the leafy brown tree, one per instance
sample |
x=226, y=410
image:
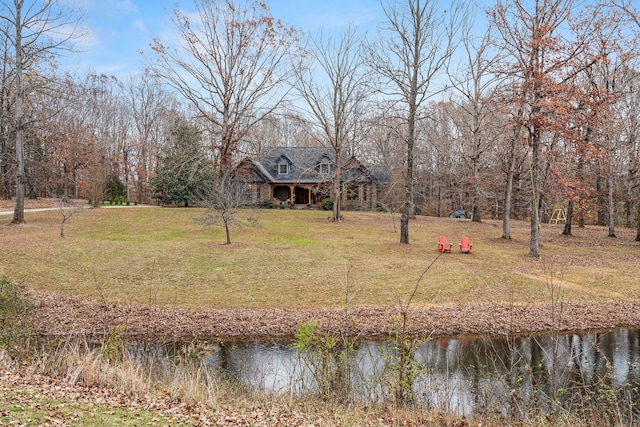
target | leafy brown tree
x=544, y=52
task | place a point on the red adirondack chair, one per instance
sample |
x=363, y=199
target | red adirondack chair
x=465, y=246
x=443, y=246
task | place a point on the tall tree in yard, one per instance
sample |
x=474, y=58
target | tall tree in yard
x=630, y=128
x=36, y=31
x=335, y=106
x=605, y=84
x=544, y=50
x=416, y=42
x=150, y=105
x=185, y=173
x=230, y=64
x=475, y=83
x=5, y=127
x=631, y=118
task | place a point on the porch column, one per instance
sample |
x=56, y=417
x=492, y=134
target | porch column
x=373, y=191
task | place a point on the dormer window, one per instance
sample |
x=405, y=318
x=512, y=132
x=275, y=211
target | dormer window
x=324, y=168
x=283, y=167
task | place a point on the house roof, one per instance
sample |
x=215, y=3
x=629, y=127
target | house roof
x=303, y=166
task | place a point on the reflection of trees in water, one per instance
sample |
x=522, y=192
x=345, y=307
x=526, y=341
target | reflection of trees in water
x=597, y=373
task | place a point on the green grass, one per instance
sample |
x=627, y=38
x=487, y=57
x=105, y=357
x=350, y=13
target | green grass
x=297, y=258
x=29, y=408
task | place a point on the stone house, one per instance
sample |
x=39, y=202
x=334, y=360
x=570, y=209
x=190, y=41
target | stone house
x=302, y=176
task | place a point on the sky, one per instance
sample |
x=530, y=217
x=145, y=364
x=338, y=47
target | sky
x=116, y=30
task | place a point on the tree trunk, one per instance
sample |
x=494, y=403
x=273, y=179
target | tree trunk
x=408, y=190
x=611, y=204
x=408, y=197
x=638, y=224
x=534, y=244
x=4, y=167
x=4, y=126
x=567, y=224
x=628, y=213
x=226, y=229
x=477, y=216
x=408, y=210
x=18, y=213
x=76, y=182
x=336, y=190
x=506, y=214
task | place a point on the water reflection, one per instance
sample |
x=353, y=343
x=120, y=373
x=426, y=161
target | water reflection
x=461, y=376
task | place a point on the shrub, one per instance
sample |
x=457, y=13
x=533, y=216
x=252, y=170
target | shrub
x=114, y=348
x=329, y=357
x=380, y=207
x=327, y=204
x=266, y=204
x=114, y=189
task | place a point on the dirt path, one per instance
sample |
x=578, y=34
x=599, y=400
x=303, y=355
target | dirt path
x=61, y=315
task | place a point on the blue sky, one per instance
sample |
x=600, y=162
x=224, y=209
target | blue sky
x=118, y=29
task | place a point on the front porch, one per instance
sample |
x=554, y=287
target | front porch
x=303, y=196
x=296, y=194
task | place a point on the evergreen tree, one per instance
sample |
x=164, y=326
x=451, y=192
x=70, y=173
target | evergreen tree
x=185, y=176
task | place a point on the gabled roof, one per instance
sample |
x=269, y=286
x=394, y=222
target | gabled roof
x=303, y=167
x=303, y=162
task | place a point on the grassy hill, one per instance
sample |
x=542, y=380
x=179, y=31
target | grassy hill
x=297, y=258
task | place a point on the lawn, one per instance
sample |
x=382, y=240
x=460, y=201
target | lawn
x=31, y=408
x=297, y=258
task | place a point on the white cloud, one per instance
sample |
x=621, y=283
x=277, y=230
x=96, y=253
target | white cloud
x=118, y=8
x=139, y=24
x=89, y=39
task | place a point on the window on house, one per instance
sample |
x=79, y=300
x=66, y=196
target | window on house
x=283, y=168
x=325, y=168
x=352, y=193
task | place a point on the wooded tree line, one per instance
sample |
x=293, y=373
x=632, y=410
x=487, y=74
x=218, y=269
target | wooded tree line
x=538, y=109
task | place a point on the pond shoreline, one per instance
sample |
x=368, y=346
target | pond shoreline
x=61, y=315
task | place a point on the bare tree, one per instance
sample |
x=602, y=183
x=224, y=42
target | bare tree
x=230, y=194
x=514, y=137
x=230, y=65
x=416, y=43
x=334, y=107
x=5, y=117
x=149, y=104
x=67, y=210
x=36, y=30
x=475, y=84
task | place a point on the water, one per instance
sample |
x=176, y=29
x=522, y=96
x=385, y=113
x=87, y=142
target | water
x=459, y=376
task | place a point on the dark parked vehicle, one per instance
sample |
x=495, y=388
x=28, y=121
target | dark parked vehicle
x=461, y=213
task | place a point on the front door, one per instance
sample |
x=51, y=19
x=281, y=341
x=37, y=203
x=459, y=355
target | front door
x=302, y=196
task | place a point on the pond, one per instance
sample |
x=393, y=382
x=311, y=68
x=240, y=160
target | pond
x=464, y=376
